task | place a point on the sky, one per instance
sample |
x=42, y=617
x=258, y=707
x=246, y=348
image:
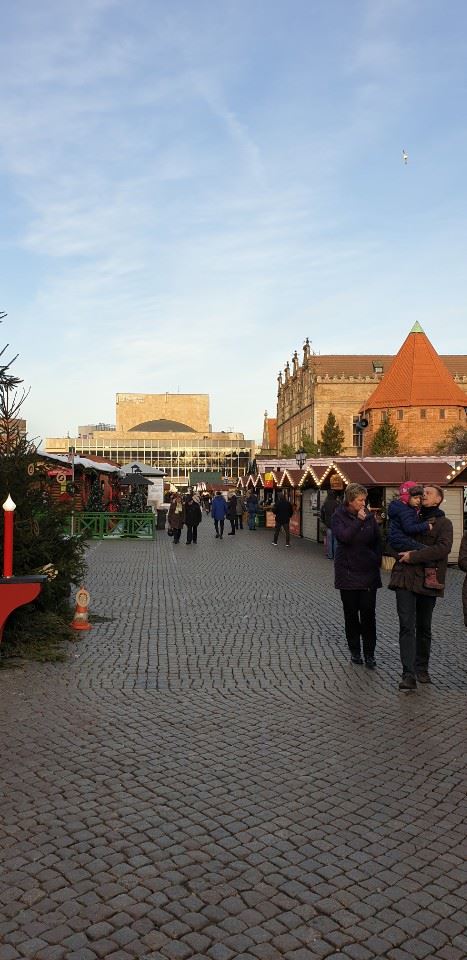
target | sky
x=189, y=188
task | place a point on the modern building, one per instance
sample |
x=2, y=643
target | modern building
x=167, y=431
x=341, y=383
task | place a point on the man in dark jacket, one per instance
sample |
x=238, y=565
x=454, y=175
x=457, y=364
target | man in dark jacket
x=232, y=514
x=463, y=566
x=330, y=504
x=282, y=511
x=192, y=519
x=415, y=601
x=252, y=509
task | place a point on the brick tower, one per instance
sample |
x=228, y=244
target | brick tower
x=420, y=396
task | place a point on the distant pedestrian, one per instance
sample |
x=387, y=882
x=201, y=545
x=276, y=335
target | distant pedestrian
x=240, y=511
x=282, y=511
x=232, y=514
x=218, y=514
x=330, y=504
x=416, y=601
x=252, y=509
x=463, y=566
x=176, y=517
x=193, y=518
x=356, y=566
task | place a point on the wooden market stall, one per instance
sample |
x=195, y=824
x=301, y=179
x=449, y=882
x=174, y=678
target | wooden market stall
x=289, y=485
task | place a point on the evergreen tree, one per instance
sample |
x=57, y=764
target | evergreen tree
x=454, y=442
x=39, y=523
x=332, y=437
x=386, y=439
x=137, y=500
x=310, y=447
x=95, y=502
x=287, y=451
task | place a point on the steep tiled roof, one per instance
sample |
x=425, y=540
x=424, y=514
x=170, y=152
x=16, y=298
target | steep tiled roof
x=365, y=365
x=416, y=378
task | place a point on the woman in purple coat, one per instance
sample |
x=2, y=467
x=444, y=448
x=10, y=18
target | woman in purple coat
x=357, y=563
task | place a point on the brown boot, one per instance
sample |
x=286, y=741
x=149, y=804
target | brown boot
x=431, y=579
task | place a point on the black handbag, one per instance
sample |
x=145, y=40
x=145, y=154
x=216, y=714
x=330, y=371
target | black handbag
x=170, y=531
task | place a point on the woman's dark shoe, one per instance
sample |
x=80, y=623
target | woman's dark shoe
x=370, y=662
x=408, y=682
x=356, y=658
x=424, y=677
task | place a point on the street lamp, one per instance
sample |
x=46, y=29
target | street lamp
x=361, y=425
x=300, y=457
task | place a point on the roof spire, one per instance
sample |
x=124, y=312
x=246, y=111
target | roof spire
x=417, y=328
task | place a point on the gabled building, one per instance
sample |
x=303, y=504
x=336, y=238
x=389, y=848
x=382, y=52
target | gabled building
x=342, y=383
x=419, y=395
x=269, y=444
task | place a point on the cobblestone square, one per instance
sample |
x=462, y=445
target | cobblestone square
x=209, y=776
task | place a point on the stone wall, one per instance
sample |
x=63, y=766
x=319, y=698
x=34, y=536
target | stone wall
x=191, y=409
x=417, y=434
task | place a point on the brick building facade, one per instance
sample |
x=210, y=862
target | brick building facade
x=419, y=395
x=309, y=389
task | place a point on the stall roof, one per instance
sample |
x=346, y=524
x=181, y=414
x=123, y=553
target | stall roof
x=380, y=472
x=84, y=462
x=141, y=467
x=457, y=475
x=293, y=476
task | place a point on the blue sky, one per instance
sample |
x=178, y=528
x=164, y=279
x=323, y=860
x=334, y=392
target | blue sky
x=189, y=188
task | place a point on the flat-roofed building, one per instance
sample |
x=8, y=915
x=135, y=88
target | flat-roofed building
x=167, y=431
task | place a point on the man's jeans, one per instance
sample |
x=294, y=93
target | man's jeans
x=219, y=526
x=330, y=544
x=277, y=530
x=415, y=613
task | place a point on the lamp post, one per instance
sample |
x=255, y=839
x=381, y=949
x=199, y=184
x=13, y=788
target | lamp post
x=300, y=457
x=360, y=426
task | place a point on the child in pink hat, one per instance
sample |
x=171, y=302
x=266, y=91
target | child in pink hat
x=404, y=523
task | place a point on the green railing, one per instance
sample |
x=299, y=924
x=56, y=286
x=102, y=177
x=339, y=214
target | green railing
x=113, y=526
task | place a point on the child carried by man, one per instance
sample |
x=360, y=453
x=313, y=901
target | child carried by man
x=404, y=523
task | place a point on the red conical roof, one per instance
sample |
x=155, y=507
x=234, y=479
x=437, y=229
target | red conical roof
x=417, y=377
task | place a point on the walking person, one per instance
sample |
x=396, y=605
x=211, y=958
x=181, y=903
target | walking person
x=463, y=566
x=357, y=563
x=330, y=504
x=218, y=514
x=232, y=514
x=252, y=509
x=176, y=517
x=240, y=511
x=415, y=600
x=282, y=511
x=193, y=518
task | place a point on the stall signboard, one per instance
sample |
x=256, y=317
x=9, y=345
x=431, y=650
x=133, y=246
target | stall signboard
x=268, y=482
x=336, y=482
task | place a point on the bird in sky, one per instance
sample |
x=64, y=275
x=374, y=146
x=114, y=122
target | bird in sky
x=405, y=156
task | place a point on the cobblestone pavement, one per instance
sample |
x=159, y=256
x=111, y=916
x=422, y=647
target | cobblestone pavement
x=208, y=775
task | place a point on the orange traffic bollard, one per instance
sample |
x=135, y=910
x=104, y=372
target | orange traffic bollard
x=80, y=619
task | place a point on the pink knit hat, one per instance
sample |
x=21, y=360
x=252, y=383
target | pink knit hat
x=409, y=489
